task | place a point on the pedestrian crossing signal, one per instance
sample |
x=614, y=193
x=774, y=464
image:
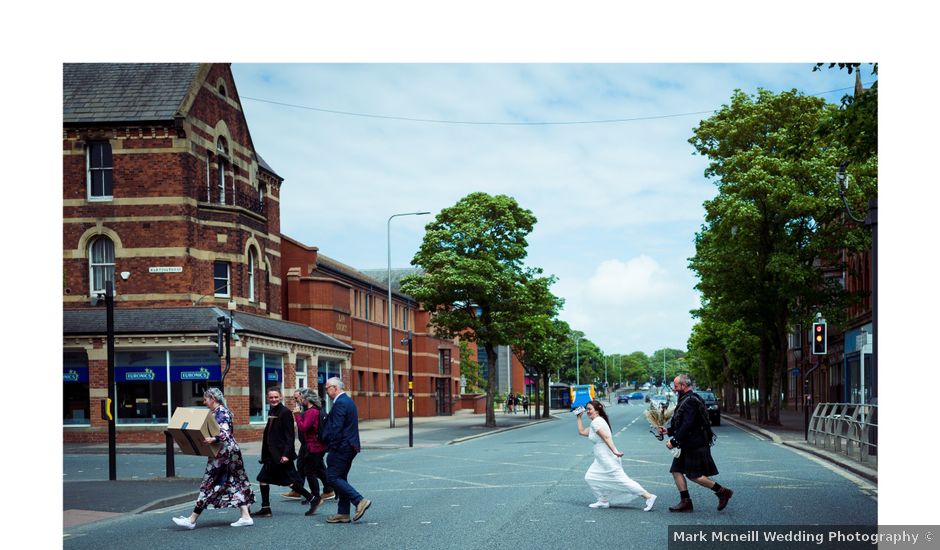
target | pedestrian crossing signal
x=819, y=338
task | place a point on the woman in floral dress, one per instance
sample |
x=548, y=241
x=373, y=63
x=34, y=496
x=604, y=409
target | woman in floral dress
x=225, y=484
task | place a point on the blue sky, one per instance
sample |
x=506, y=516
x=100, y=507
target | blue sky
x=617, y=203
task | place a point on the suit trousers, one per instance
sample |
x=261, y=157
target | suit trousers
x=338, y=463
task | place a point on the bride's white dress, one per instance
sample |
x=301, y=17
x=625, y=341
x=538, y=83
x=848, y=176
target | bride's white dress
x=606, y=476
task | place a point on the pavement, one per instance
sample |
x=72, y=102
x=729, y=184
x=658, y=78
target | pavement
x=89, y=501
x=791, y=432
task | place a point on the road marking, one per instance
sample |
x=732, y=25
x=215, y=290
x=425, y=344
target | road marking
x=590, y=521
x=407, y=506
x=479, y=521
x=425, y=523
x=454, y=505
x=439, y=478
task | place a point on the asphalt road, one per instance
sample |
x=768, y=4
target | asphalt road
x=522, y=489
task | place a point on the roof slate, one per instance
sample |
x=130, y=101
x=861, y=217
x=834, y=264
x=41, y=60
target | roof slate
x=124, y=92
x=183, y=320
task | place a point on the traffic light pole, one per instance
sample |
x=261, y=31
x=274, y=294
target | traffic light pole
x=112, y=429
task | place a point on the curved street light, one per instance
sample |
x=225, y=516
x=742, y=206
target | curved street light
x=391, y=361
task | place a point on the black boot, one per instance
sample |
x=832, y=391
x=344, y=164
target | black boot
x=724, y=495
x=685, y=505
x=314, y=504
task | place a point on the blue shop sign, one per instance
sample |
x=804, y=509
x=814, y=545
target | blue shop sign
x=75, y=375
x=139, y=374
x=272, y=375
x=195, y=373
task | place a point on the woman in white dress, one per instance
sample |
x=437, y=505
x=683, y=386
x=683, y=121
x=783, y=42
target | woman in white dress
x=606, y=476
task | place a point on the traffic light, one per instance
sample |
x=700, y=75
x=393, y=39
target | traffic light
x=219, y=338
x=819, y=338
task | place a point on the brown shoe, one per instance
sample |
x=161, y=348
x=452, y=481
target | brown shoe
x=292, y=495
x=264, y=512
x=338, y=518
x=361, y=508
x=685, y=505
x=724, y=495
x=328, y=496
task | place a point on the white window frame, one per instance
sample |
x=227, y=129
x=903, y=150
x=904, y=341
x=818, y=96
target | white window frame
x=302, y=375
x=251, y=274
x=89, y=170
x=222, y=160
x=100, y=264
x=228, y=280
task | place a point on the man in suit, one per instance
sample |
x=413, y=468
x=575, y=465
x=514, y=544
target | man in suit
x=341, y=435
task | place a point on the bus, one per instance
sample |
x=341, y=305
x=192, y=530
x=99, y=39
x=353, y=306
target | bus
x=581, y=394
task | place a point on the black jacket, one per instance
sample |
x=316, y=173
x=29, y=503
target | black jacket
x=688, y=422
x=278, y=438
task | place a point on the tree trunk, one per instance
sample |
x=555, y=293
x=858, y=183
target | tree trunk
x=762, y=386
x=547, y=398
x=492, y=382
x=728, y=401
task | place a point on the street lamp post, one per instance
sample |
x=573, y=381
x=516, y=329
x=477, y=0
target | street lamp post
x=871, y=220
x=577, y=360
x=391, y=361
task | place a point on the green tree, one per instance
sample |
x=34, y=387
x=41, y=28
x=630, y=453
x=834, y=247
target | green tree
x=474, y=281
x=533, y=343
x=776, y=215
x=540, y=348
x=470, y=369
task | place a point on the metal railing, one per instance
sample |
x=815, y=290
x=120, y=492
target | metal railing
x=847, y=428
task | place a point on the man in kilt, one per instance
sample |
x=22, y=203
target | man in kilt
x=690, y=431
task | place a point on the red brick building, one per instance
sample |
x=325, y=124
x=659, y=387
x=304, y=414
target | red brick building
x=352, y=307
x=165, y=196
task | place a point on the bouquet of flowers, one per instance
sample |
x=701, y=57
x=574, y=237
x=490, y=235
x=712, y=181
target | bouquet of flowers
x=657, y=416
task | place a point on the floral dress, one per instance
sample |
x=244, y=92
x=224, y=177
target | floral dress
x=225, y=484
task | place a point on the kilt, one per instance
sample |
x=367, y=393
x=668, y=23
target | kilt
x=695, y=463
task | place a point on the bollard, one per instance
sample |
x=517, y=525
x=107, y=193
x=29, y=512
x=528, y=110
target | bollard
x=170, y=459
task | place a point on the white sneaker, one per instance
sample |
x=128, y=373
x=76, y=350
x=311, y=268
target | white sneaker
x=649, y=503
x=184, y=522
x=599, y=504
x=242, y=522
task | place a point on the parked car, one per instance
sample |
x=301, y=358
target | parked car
x=636, y=395
x=711, y=403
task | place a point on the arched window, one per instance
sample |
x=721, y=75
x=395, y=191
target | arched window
x=221, y=148
x=251, y=274
x=100, y=264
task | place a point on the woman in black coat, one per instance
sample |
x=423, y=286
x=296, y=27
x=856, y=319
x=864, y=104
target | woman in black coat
x=277, y=453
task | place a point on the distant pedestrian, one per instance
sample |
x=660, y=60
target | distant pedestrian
x=341, y=435
x=278, y=454
x=225, y=483
x=525, y=404
x=312, y=466
x=690, y=432
x=606, y=477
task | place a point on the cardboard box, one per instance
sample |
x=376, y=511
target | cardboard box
x=189, y=426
